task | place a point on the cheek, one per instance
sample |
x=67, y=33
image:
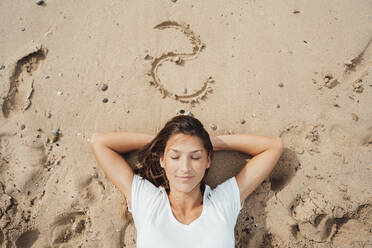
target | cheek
x=170, y=165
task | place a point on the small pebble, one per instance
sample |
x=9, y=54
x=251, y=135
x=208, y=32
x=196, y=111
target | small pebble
x=23, y=126
x=55, y=132
x=104, y=87
x=296, y=12
x=180, y=111
x=3, y=97
x=147, y=56
x=23, y=29
x=184, y=90
x=354, y=116
x=280, y=84
x=2, y=67
x=331, y=83
x=278, y=105
x=213, y=126
x=39, y=2
x=47, y=76
x=174, y=1
x=39, y=129
x=242, y=121
x=348, y=63
x=358, y=86
x=60, y=74
x=37, y=136
x=187, y=112
x=54, y=138
x=56, y=162
x=178, y=60
x=59, y=93
x=105, y=100
x=327, y=76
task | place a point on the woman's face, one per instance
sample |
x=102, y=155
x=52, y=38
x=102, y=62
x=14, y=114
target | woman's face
x=184, y=156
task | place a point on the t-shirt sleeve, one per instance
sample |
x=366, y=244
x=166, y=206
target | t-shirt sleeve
x=143, y=196
x=227, y=198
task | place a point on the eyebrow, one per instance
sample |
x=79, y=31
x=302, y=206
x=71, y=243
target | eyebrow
x=190, y=152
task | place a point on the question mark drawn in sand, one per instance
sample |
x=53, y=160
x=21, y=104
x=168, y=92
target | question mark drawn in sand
x=179, y=59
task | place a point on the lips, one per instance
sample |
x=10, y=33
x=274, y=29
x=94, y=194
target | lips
x=185, y=178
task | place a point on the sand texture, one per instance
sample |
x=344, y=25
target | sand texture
x=298, y=70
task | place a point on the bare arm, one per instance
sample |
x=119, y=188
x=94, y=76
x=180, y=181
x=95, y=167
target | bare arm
x=106, y=148
x=266, y=152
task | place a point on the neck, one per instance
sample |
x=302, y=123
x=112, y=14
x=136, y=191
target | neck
x=185, y=202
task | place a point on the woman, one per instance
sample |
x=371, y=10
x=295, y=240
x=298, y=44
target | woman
x=170, y=202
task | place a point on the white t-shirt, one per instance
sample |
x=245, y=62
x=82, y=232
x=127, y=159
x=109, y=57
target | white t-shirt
x=157, y=227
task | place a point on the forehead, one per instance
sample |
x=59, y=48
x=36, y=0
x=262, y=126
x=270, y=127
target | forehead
x=186, y=143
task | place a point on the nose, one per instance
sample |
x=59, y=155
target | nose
x=185, y=165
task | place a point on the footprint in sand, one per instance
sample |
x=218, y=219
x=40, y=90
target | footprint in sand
x=311, y=212
x=27, y=239
x=354, y=229
x=91, y=188
x=68, y=227
x=21, y=166
x=21, y=82
x=29, y=156
x=318, y=220
x=179, y=59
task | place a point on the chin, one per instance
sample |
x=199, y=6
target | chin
x=185, y=187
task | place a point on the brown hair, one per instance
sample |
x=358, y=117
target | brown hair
x=148, y=165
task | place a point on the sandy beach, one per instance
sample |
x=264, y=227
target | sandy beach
x=298, y=70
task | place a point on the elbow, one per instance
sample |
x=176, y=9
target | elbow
x=279, y=144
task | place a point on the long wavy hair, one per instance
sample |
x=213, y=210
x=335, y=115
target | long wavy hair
x=148, y=165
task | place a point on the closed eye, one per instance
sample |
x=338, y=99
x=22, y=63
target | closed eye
x=191, y=158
